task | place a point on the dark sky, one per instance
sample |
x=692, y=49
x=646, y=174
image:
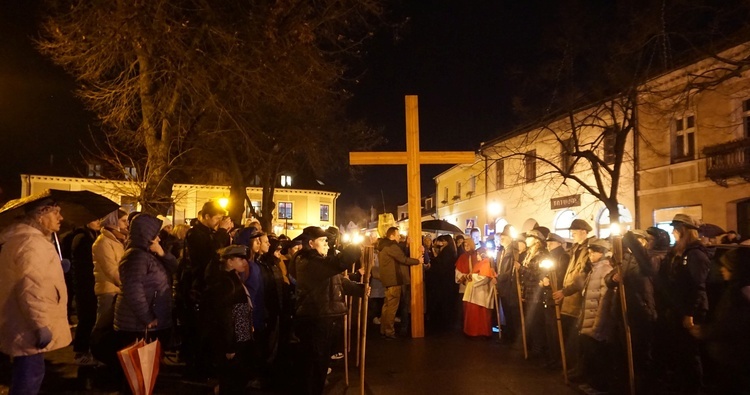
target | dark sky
x=453, y=54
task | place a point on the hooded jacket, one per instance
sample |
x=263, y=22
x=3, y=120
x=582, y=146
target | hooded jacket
x=107, y=252
x=32, y=292
x=394, y=264
x=146, y=280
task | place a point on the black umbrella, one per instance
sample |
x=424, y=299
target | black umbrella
x=710, y=230
x=78, y=207
x=440, y=225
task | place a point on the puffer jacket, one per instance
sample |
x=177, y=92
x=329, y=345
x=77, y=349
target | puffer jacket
x=574, y=279
x=394, y=264
x=32, y=292
x=146, y=280
x=597, y=315
x=320, y=285
x=107, y=252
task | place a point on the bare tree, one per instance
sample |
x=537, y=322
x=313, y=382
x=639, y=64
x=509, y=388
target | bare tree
x=160, y=73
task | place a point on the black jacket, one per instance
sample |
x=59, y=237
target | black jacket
x=82, y=260
x=638, y=272
x=228, y=312
x=686, y=276
x=320, y=285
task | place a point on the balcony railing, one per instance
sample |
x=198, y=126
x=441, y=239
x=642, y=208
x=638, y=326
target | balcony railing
x=727, y=160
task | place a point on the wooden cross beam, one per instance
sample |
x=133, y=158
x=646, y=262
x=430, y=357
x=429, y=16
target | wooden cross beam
x=413, y=158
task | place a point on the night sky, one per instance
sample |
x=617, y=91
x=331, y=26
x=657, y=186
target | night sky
x=455, y=55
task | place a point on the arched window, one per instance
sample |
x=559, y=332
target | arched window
x=562, y=223
x=602, y=222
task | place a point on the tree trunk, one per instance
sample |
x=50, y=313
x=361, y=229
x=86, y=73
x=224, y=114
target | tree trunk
x=268, y=206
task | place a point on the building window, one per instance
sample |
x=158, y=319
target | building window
x=129, y=203
x=445, y=195
x=131, y=173
x=608, y=141
x=324, y=212
x=285, y=210
x=95, y=170
x=684, y=138
x=472, y=186
x=286, y=181
x=458, y=190
x=567, y=147
x=428, y=204
x=529, y=164
x=500, y=174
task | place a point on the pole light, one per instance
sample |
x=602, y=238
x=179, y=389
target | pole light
x=223, y=202
x=549, y=265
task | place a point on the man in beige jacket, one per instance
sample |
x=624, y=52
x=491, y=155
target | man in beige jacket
x=33, y=296
x=570, y=295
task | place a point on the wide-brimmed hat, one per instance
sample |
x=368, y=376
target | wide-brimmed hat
x=684, y=220
x=244, y=236
x=579, y=224
x=600, y=244
x=555, y=237
x=536, y=234
x=506, y=230
x=233, y=251
x=641, y=233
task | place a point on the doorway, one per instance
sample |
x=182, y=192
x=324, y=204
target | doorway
x=743, y=218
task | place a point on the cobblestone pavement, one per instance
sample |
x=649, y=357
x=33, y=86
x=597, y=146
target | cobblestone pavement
x=440, y=364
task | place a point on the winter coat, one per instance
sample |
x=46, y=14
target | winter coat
x=320, y=285
x=597, y=317
x=228, y=312
x=146, y=280
x=575, y=276
x=32, y=292
x=686, y=276
x=506, y=279
x=377, y=290
x=107, y=252
x=201, y=244
x=638, y=272
x=394, y=264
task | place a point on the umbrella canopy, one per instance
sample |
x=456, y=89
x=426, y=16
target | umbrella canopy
x=78, y=207
x=710, y=230
x=440, y=225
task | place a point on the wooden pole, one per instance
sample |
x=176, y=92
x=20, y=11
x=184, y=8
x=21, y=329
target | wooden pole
x=617, y=253
x=520, y=305
x=560, y=336
x=368, y=261
x=346, y=353
x=359, y=329
x=414, y=192
x=497, y=309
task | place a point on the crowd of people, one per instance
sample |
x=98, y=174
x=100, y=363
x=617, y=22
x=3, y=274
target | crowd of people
x=251, y=309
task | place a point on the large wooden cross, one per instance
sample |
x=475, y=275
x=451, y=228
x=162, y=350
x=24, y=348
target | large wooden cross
x=413, y=158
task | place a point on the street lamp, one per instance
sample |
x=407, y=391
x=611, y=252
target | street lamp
x=223, y=202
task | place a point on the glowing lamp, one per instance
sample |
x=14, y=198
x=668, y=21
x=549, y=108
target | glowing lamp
x=513, y=232
x=357, y=238
x=223, y=202
x=345, y=237
x=494, y=208
x=547, y=264
x=614, y=229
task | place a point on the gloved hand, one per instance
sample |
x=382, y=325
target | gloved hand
x=65, y=265
x=44, y=337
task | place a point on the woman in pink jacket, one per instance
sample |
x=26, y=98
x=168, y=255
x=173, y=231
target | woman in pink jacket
x=33, y=296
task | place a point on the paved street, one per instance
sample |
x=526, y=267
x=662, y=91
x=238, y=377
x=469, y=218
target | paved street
x=441, y=364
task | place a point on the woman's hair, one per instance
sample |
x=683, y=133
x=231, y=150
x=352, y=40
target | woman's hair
x=470, y=245
x=687, y=237
x=180, y=231
x=112, y=219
